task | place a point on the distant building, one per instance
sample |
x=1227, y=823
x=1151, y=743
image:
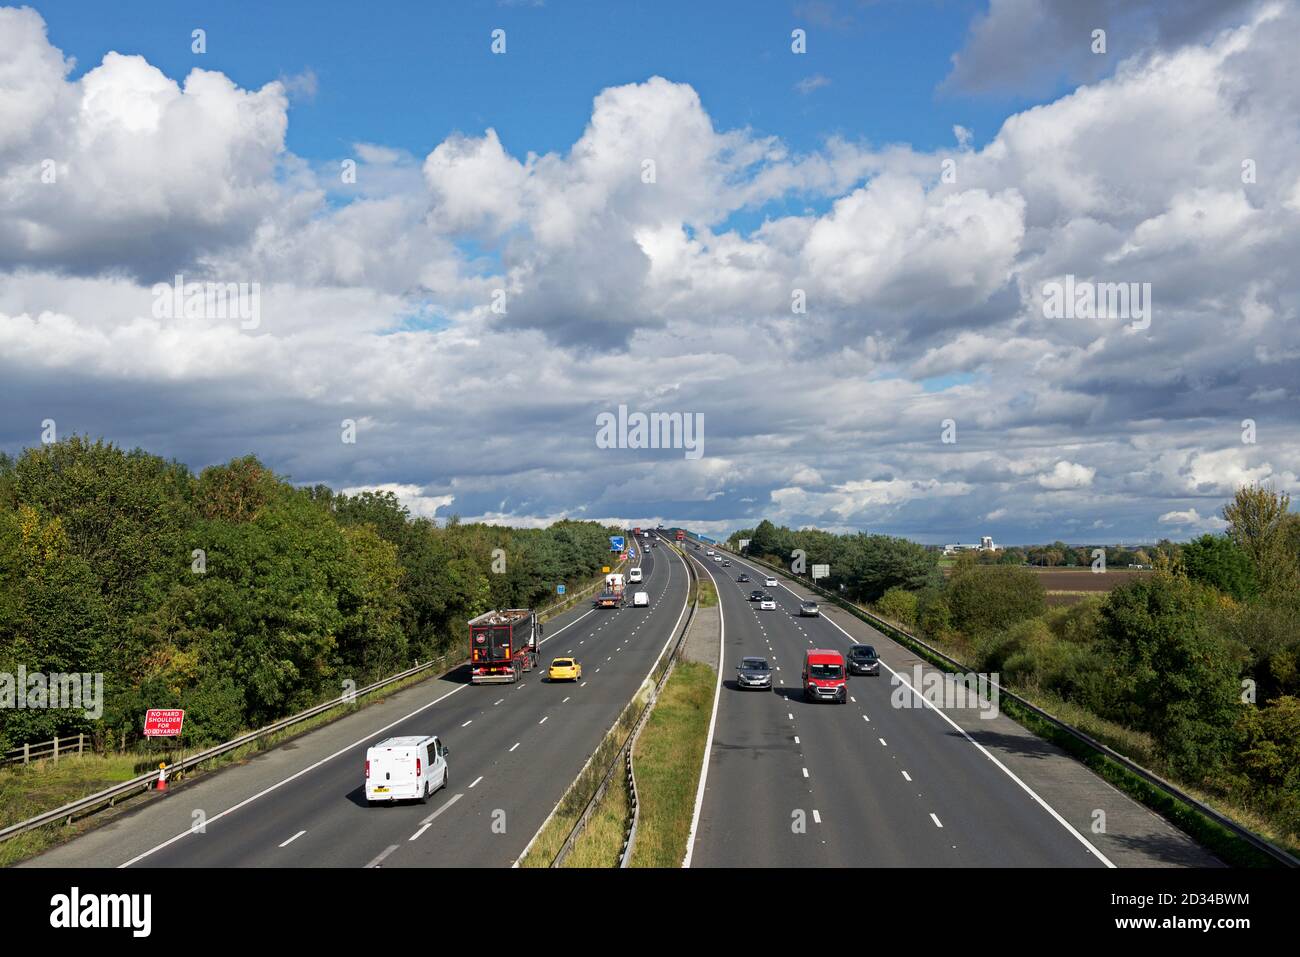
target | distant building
x=986, y=545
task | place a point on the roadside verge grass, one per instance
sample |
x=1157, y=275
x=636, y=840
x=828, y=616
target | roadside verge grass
x=667, y=762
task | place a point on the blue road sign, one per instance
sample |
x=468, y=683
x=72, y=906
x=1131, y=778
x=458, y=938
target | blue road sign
x=616, y=543
x=559, y=589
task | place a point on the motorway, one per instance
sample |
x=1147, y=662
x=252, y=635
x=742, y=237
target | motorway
x=514, y=749
x=791, y=783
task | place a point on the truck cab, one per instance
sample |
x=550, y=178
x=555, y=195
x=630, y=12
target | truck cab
x=824, y=676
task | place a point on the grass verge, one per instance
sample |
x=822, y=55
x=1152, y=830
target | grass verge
x=546, y=845
x=667, y=762
x=601, y=841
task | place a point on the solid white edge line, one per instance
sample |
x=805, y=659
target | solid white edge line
x=713, y=722
x=983, y=750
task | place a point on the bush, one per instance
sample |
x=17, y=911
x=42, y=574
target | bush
x=900, y=605
x=1176, y=678
x=991, y=598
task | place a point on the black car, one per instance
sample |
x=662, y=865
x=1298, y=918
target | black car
x=754, y=673
x=863, y=660
x=742, y=577
x=756, y=596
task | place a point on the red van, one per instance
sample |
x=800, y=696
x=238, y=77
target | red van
x=824, y=677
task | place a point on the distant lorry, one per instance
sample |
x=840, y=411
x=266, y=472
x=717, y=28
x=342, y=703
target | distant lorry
x=408, y=768
x=614, y=595
x=503, y=645
x=681, y=535
x=824, y=677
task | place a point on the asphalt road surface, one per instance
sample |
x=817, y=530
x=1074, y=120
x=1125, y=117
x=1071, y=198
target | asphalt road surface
x=870, y=783
x=514, y=749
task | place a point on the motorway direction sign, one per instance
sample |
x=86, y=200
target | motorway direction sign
x=616, y=543
x=163, y=722
x=821, y=571
x=743, y=544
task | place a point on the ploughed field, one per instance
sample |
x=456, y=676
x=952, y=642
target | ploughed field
x=1065, y=586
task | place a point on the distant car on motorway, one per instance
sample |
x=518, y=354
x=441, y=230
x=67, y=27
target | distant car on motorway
x=742, y=577
x=641, y=599
x=726, y=563
x=767, y=604
x=717, y=558
x=564, y=669
x=709, y=552
x=754, y=673
x=863, y=660
x=634, y=575
x=809, y=609
x=770, y=581
x=756, y=596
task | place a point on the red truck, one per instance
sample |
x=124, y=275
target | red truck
x=503, y=645
x=824, y=677
x=681, y=535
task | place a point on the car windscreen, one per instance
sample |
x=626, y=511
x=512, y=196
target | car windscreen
x=754, y=664
x=863, y=651
x=561, y=662
x=824, y=671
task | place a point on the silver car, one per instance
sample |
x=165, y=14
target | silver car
x=754, y=673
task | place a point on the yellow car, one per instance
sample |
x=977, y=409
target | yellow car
x=564, y=669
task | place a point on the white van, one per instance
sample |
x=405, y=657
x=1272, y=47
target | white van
x=405, y=769
x=634, y=575
x=641, y=599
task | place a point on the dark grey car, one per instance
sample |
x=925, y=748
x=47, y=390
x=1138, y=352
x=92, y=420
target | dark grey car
x=863, y=660
x=754, y=673
x=808, y=609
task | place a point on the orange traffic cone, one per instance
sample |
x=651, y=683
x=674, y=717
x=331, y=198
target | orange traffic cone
x=162, y=776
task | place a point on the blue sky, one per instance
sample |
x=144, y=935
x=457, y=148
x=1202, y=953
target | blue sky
x=782, y=176
x=406, y=74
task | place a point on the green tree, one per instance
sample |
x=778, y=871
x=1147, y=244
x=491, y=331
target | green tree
x=1258, y=523
x=1218, y=561
x=900, y=605
x=986, y=599
x=1173, y=676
